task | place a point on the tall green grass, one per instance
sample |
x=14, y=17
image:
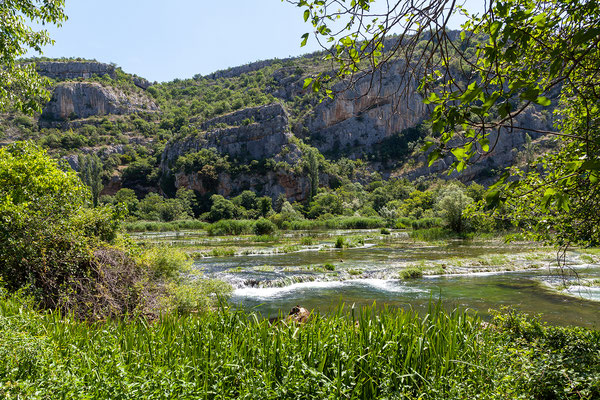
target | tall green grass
x=231, y=354
x=361, y=354
x=339, y=223
x=157, y=226
x=427, y=223
x=231, y=227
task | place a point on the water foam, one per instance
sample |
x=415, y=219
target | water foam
x=382, y=285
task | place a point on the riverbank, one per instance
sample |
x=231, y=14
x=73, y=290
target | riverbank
x=359, y=353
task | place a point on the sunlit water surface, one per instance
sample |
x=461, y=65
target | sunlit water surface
x=273, y=283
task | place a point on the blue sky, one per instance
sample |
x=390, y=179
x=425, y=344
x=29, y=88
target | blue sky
x=163, y=40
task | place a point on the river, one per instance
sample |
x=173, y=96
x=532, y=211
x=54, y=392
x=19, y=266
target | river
x=273, y=276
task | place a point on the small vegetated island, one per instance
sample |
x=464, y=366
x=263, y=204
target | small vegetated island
x=389, y=190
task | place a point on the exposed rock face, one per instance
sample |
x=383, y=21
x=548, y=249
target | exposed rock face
x=141, y=82
x=252, y=134
x=272, y=183
x=376, y=107
x=85, y=99
x=505, y=152
x=63, y=70
x=244, y=69
x=69, y=70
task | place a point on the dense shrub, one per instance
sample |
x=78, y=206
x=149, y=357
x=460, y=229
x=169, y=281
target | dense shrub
x=230, y=227
x=366, y=354
x=404, y=222
x=411, y=273
x=68, y=256
x=427, y=223
x=222, y=209
x=47, y=236
x=264, y=227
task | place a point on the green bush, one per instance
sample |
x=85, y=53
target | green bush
x=264, y=227
x=230, y=227
x=329, y=267
x=411, y=273
x=307, y=241
x=47, y=234
x=427, y=223
x=197, y=295
x=404, y=222
x=340, y=243
x=165, y=262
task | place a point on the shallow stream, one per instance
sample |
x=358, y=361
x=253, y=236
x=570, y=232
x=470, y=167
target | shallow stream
x=272, y=277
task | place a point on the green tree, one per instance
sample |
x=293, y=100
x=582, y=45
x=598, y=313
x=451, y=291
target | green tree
x=149, y=207
x=222, y=208
x=128, y=198
x=246, y=199
x=452, y=202
x=188, y=200
x=281, y=199
x=265, y=206
x=517, y=54
x=313, y=171
x=90, y=168
x=47, y=235
x=21, y=88
x=325, y=203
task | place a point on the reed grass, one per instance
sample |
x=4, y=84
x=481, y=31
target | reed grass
x=339, y=223
x=157, y=226
x=228, y=354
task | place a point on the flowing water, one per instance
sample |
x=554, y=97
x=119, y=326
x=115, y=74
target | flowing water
x=272, y=277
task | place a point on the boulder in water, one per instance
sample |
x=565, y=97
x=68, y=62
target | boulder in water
x=298, y=314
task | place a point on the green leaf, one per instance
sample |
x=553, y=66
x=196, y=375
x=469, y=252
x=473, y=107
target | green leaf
x=306, y=15
x=459, y=153
x=543, y=101
x=490, y=101
x=434, y=156
x=427, y=146
x=591, y=165
x=530, y=94
x=304, y=40
x=494, y=29
x=485, y=144
x=307, y=82
x=492, y=199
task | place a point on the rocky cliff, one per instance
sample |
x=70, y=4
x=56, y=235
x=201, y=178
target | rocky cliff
x=250, y=134
x=64, y=70
x=507, y=149
x=256, y=133
x=296, y=187
x=365, y=112
x=72, y=100
x=69, y=70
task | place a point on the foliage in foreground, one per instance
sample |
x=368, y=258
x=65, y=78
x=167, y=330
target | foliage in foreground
x=70, y=256
x=232, y=354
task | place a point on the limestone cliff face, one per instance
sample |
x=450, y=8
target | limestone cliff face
x=506, y=149
x=63, y=70
x=250, y=134
x=85, y=99
x=69, y=70
x=256, y=133
x=362, y=115
x=294, y=186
